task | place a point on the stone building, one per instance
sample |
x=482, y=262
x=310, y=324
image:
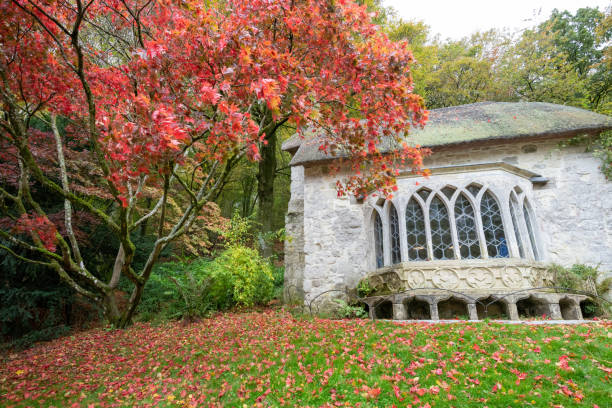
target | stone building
x=503, y=201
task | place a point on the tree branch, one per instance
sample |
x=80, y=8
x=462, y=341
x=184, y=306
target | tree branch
x=67, y=206
x=22, y=258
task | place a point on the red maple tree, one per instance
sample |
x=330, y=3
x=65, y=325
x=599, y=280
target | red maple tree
x=167, y=96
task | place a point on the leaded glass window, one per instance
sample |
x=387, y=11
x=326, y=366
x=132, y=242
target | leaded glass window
x=424, y=193
x=517, y=231
x=448, y=191
x=396, y=254
x=467, y=236
x=474, y=189
x=495, y=238
x=415, y=232
x=378, y=241
x=441, y=239
x=530, y=231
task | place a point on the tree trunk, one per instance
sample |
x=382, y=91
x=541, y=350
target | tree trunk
x=111, y=309
x=126, y=318
x=265, y=188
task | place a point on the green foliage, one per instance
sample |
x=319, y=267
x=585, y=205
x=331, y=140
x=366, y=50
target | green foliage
x=602, y=149
x=176, y=290
x=565, y=59
x=274, y=236
x=239, y=276
x=241, y=192
x=278, y=274
x=191, y=290
x=347, y=311
x=242, y=272
x=577, y=36
x=34, y=304
x=364, y=289
x=583, y=278
x=193, y=293
x=574, y=277
x=239, y=232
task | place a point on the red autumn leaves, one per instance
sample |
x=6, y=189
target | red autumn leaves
x=150, y=85
x=271, y=359
x=40, y=227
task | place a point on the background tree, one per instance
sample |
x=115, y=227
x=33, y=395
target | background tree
x=561, y=60
x=538, y=71
x=165, y=98
x=584, y=38
x=467, y=71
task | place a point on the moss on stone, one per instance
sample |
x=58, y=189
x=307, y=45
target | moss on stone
x=479, y=122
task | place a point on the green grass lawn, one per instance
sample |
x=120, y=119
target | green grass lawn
x=271, y=359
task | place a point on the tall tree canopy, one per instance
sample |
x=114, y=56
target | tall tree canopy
x=158, y=99
x=565, y=59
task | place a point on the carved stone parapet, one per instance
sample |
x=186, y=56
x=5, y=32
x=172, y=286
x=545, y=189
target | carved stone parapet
x=465, y=276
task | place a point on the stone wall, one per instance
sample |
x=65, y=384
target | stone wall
x=574, y=209
x=294, y=244
x=573, y=212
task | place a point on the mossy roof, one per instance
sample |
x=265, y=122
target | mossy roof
x=478, y=122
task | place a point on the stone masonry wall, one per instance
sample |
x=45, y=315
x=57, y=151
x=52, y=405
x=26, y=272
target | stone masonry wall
x=294, y=244
x=573, y=211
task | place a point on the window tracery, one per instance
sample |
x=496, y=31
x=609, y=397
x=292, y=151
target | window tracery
x=441, y=238
x=467, y=235
x=396, y=254
x=477, y=227
x=530, y=230
x=415, y=232
x=495, y=237
x=517, y=230
x=378, y=241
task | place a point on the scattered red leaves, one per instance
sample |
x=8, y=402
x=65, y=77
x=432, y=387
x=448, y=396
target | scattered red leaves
x=273, y=359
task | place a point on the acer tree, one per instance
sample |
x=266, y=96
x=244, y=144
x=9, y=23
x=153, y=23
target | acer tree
x=164, y=98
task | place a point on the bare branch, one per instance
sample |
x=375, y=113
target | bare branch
x=67, y=206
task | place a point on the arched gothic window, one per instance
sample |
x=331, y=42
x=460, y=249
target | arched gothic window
x=415, y=232
x=474, y=188
x=378, y=241
x=465, y=223
x=441, y=239
x=517, y=230
x=467, y=236
x=396, y=254
x=530, y=230
x=495, y=238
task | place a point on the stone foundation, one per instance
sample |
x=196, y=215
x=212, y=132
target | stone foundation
x=442, y=304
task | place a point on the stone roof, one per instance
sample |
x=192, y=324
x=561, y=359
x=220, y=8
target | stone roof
x=477, y=122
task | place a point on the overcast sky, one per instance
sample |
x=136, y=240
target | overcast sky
x=456, y=19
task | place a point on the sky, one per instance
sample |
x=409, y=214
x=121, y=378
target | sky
x=460, y=18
